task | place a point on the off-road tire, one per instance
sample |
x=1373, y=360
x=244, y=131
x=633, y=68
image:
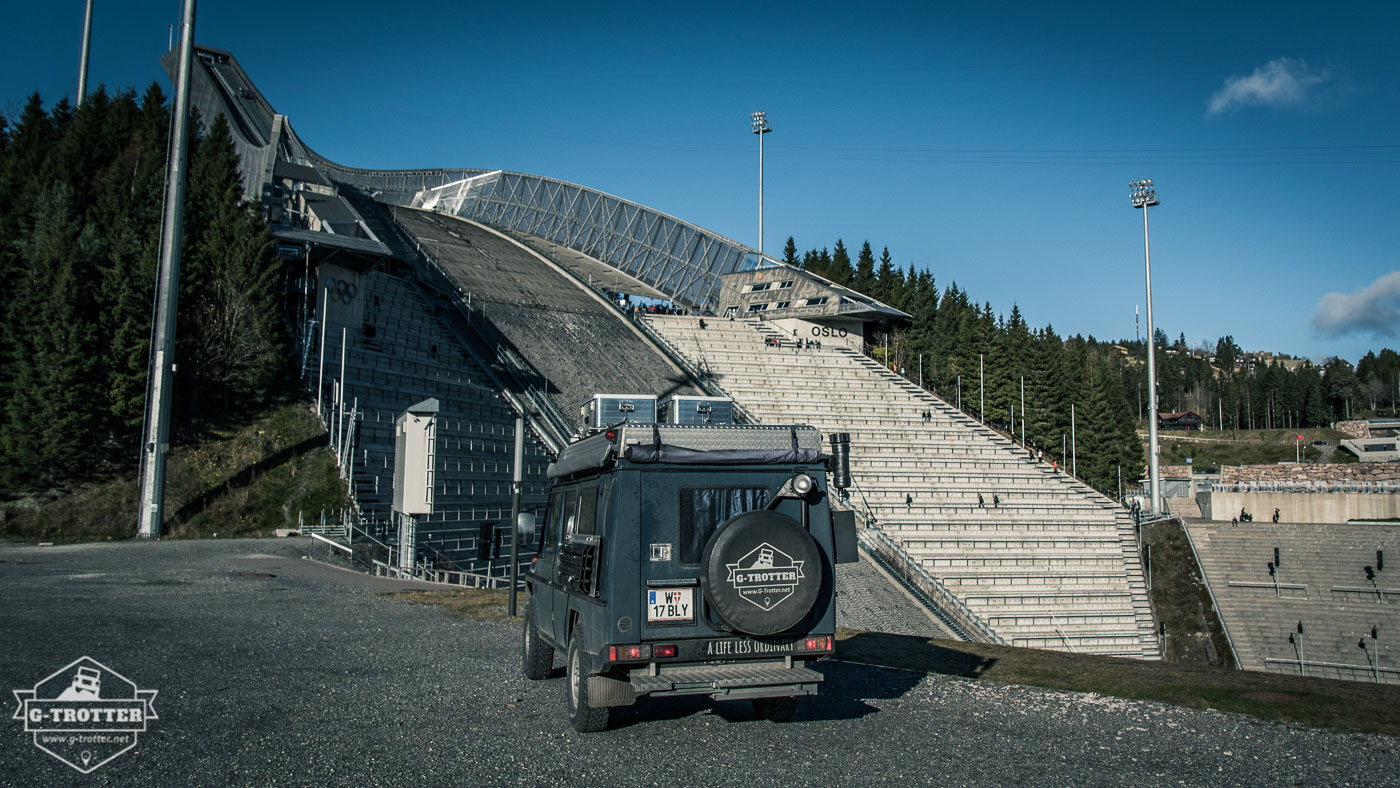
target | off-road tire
x=775, y=709
x=536, y=656
x=585, y=719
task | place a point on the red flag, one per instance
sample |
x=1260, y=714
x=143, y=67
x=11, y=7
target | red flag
x=1300, y=437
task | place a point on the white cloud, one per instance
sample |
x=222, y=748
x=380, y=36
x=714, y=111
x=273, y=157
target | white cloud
x=1374, y=309
x=1284, y=82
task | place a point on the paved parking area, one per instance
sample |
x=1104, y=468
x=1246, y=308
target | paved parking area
x=272, y=670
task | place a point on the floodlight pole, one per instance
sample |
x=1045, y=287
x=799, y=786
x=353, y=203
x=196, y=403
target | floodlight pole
x=158, y=392
x=83, y=62
x=1144, y=195
x=759, y=121
x=517, y=476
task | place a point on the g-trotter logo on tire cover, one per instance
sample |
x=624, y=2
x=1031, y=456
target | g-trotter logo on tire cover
x=765, y=576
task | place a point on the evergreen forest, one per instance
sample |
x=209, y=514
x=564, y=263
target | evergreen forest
x=950, y=337
x=80, y=230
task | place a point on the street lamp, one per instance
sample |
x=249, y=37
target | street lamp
x=1143, y=195
x=760, y=127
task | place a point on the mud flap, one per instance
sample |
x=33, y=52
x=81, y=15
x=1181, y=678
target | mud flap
x=608, y=691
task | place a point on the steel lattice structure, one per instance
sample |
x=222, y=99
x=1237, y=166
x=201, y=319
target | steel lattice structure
x=675, y=257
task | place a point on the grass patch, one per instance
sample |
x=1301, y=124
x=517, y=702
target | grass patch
x=1328, y=703
x=1194, y=635
x=1211, y=449
x=247, y=480
x=474, y=603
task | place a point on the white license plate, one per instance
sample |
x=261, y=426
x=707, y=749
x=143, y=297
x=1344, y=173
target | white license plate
x=670, y=604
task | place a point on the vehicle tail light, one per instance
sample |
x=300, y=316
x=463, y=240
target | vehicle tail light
x=817, y=643
x=630, y=653
x=664, y=652
x=611, y=435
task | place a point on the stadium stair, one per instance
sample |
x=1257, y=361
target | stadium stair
x=1319, y=581
x=1053, y=565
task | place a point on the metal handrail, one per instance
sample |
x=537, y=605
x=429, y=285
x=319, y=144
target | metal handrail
x=930, y=585
x=702, y=378
x=674, y=354
x=534, y=402
x=1055, y=622
x=551, y=426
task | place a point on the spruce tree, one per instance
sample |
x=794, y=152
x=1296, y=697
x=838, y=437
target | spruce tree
x=790, y=252
x=232, y=325
x=838, y=263
x=864, y=280
x=50, y=418
x=889, y=281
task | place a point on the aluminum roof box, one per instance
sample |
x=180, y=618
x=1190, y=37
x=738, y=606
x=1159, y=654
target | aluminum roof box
x=608, y=409
x=687, y=409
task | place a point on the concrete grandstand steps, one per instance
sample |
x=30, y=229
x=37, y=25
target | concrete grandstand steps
x=1320, y=582
x=1003, y=584
x=1048, y=527
x=1026, y=541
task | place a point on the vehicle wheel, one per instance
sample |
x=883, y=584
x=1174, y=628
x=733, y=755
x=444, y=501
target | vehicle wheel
x=585, y=718
x=536, y=655
x=762, y=573
x=775, y=709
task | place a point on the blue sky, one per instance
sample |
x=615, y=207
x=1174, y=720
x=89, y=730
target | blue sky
x=990, y=144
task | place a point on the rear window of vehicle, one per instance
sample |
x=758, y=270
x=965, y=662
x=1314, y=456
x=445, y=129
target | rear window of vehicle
x=701, y=509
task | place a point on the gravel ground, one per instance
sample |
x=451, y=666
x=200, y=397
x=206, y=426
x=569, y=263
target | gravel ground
x=306, y=678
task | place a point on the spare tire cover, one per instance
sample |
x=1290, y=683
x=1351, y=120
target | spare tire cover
x=762, y=572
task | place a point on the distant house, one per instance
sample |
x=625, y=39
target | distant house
x=1185, y=420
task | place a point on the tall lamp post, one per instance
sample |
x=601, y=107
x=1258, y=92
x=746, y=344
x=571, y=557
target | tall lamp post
x=151, y=515
x=87, y=46
x=760, y=127
x=1143, y=195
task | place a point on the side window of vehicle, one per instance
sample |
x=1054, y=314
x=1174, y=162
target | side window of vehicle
x=588, y=509
x=570, y=512
x=553, y=517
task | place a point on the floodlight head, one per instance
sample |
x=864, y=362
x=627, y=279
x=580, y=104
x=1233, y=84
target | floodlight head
x=1142, y=193
x=760, y=122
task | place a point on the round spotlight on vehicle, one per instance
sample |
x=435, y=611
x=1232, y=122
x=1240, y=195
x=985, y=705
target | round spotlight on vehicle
x=802, y=484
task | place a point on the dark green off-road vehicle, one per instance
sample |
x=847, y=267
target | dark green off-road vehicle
x=688, y=560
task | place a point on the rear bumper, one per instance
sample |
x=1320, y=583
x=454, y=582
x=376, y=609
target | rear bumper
x=749, y=679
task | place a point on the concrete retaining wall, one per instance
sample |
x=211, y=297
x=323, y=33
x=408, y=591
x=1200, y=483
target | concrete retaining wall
x=1300, y=507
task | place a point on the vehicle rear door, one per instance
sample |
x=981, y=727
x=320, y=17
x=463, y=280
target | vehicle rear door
x=680, y=512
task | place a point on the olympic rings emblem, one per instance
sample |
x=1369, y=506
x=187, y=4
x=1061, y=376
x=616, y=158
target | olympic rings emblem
x=342, y=290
